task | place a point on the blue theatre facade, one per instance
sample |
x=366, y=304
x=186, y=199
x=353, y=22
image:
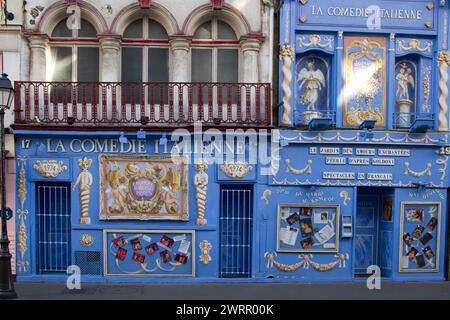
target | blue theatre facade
x=354, y=175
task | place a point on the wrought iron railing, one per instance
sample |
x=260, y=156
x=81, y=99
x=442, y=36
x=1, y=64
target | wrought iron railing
x=128, y=104
x=403, y=120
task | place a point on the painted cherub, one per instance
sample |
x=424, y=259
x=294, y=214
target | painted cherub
x=115, y=180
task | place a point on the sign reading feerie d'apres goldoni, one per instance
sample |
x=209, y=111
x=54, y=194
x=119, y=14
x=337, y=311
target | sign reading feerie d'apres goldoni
x=390, y=14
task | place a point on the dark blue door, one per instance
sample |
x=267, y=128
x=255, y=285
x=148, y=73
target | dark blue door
x=235, y=231
x=53, y=227
x=366, y=232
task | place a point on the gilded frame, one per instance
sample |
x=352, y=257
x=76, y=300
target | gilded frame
x=438, y=236
x=337, y=219
x=106, y=251
x=183, y=213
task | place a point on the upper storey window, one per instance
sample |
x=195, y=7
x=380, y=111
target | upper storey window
x=73, y=56
x=215, y=53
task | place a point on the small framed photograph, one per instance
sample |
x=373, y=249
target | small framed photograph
x=293, y=218
x=417, y=233
x=181, y=258
x=121, y=254
x=306, y=211
x=426, y=238
x=412, y=253
x=152, y=248
x=119, y=242
x=431, y=225
x=306, y=228
x=428, y=252
x=165, y=256
x=166, y=241
x=420, y=261
x=307, y=243
x=139, y=258
x=415, y=215
x=409, y=241
x=136, y=244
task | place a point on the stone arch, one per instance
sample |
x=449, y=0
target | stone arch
x=134, y=11
x=57, y=11
x=227, y=13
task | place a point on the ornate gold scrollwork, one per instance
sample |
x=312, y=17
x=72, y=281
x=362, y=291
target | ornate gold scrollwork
x=414, y=44
x=306, y=262
x=50, y=168
x=205, y=248
x=86, y=240
x=306, y=169
x=265, y=196
x=236, y=169
x=315, y=41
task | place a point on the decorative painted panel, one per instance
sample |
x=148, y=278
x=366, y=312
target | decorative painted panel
x=306, y=228
x=419, y=237
x=364, y=95
x=310, y=41
x=50, y=169
x=143, y=187
x=149, y=253
x=414, y=45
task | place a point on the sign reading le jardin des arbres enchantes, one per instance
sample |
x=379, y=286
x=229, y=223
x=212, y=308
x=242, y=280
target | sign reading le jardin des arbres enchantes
x=390, y=14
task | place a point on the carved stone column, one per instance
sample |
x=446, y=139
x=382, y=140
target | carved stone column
x=38, y=58
x=287, y=56
x=250, y=66
x=180, y=58
x=444, y=62
x=110, y=50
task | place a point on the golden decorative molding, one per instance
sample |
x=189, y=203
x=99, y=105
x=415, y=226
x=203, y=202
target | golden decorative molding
x=418, y=174
x=426, y=85
x=205, y=248
x=414, y=44
x=236, y=169
x=306, y=262
x=22, y=181
x=315, y=41
x=287, y=56
x=201, y=180
x=86, y=240
x=85, y=181
x=443, y=62
x=306, y=169
x=22, y=246
x=265, y=196
x=50, y=168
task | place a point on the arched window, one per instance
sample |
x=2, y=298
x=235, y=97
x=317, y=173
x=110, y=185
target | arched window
x=215, y=53
x=74, y=53
x=145, y=58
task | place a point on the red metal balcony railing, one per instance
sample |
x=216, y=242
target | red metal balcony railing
x=152, y=104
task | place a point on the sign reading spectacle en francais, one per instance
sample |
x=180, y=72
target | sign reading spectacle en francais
x=382, y=14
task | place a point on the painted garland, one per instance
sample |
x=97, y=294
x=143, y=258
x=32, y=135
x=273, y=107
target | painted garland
x=306, y=262
x=418, y=174
x=306, y=169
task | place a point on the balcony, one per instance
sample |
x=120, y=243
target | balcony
x=85, y=105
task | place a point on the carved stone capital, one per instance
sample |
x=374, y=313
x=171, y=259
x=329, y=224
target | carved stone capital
x=250, y=45
x=180, y=43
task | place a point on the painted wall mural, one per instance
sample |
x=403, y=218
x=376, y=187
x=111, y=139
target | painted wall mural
x=419, y=237
x=143, y=187
x=364, y=80
x=149, y=253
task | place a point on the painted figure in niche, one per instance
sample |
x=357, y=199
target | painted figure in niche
x=404, y=80
x=171, y=185
x=405, y=93
x=313, y=81
x=117, y=182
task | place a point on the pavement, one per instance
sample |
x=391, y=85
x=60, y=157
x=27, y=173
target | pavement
x=234, y=291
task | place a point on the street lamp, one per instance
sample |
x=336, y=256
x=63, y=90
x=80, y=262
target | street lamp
x=6, y=283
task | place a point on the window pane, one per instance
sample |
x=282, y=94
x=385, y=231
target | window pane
x=87, y=30
x=156, y=30
x=158, y=71
x=227, y=65
x=88, y=70
x=134, y=30
x=61, y=64
x=201, y=65
x=61, y=30
x=132, y=72
x=225, y=32
x=61, y=70
x=204, y=31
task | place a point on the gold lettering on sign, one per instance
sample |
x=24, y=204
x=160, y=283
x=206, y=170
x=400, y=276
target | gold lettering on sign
x=236, y=169
x=49, y=168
